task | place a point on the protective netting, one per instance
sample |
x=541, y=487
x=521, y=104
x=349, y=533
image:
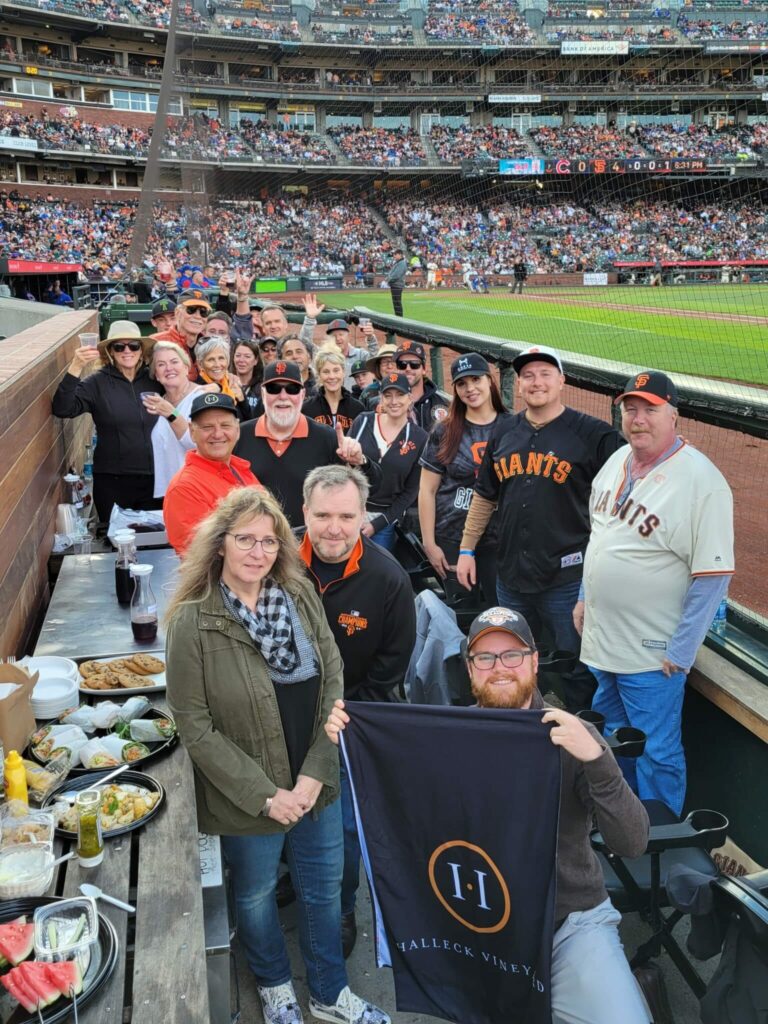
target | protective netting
x=617, y=150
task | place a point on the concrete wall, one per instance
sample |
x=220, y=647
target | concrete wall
x=18, y=315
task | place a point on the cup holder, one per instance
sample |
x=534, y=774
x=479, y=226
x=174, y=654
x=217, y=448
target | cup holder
x=594, y=718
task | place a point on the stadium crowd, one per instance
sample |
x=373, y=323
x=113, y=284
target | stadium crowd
x=393, y=35
x=381, y=147
x=56, y=132
x=576, y=140
x=641, y=34
x=488, y=21
x=708, y=28
x=484, y=142
x=698, y=141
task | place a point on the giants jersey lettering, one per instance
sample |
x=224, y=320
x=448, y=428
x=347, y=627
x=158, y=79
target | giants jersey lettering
x=548, y=466
x=676, y=523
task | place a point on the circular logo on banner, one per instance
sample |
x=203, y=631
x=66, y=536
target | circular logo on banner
x=470, y=886
x=211, y=400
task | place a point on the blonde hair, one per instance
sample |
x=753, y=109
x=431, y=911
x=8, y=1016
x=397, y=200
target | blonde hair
x=329, y=353
x=203, y=562
x=167, y=346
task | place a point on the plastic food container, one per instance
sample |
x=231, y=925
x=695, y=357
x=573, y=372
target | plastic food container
x=65, y=929
x=25, y=870
x=31, y=827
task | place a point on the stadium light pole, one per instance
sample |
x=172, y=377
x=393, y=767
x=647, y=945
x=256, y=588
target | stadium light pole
x=144, y=213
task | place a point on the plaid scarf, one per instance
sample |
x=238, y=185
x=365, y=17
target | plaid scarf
x=275, y=628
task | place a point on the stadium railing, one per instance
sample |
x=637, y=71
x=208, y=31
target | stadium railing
x=732, y=407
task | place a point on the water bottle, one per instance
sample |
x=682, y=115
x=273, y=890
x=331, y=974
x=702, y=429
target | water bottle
x=720, y=620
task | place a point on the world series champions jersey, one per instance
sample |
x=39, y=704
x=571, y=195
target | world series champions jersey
x=541, y=480
x=676, y=523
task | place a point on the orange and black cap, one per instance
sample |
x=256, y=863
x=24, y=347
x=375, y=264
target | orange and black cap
x=653, y=386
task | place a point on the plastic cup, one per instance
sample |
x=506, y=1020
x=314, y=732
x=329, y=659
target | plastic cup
x=82, y=548
x=89, y=339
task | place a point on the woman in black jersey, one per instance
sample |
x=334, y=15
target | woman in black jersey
x=388, y=436
x=450, y=462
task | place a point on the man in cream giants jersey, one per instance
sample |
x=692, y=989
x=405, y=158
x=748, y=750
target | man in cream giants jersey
x=658, y=564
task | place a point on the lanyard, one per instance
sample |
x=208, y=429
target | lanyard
x=630, y=481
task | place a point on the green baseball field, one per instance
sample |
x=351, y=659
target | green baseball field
x=714, y=331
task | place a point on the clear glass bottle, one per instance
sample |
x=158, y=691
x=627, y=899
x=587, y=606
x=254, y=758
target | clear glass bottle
x=143, y=605
x=75, y=497
x=90, y=841
x=126, y=557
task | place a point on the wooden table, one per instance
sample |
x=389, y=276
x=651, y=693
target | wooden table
x=160, y=977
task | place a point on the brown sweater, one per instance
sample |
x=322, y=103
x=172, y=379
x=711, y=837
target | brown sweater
x=593, y=788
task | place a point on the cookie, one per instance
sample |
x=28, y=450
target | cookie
x=119, y=665
x=128, y=680
x=89, y=668
x=104, y=679
x=145, y=664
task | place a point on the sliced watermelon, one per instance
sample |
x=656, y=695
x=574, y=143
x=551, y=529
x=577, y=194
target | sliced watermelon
x=66, y=976
x=17, y=940
x=15, y=985
x=36, y=978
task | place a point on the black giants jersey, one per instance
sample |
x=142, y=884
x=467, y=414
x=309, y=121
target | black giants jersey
x=541, y=479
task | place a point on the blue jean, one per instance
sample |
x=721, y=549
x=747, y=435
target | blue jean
x=315, y=853
x=350, y=879
x=652, y=702
x=553, y=609
x=386, y=537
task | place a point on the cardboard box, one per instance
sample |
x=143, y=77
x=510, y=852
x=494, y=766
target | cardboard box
x=17, y=723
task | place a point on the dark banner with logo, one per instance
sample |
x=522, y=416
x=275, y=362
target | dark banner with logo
x=457, y=810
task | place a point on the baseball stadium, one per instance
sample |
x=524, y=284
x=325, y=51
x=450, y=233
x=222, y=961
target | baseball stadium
x=444, y=178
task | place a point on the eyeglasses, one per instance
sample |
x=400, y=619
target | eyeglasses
x=276, y=387
x=245, y=542
x=202, y=310
x=402, y=364
x=509, y=659
x=121, y=346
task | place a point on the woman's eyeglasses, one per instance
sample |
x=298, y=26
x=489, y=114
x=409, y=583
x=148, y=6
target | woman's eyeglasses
x=509, y=659
x=276, y=387
x=121, y=346
x=245, y=542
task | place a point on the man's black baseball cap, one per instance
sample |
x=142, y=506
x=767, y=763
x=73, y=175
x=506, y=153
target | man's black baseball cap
x=212, y=401
x=653, y=386
x=503, y=620
x=282, y=369
x=412, y=348
x=470, y=365
x=361, y=366
x=162, y=306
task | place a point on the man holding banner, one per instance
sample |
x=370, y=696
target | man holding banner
x=464, y=888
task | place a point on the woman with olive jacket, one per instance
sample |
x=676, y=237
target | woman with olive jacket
x=252, y=673
x=123, y=464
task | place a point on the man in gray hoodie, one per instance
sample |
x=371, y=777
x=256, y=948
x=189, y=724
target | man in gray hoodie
x=396, y=281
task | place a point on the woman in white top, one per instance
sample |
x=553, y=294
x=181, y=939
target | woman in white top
x=169, y=365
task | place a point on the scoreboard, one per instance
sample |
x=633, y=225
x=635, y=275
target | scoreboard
x=600, y=165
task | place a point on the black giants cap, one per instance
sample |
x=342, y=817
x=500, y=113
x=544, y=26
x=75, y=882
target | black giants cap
x=651, y=385
x=412, y=348
x=500, y=619
x=395, y=380
x=281, y=369
x=212, y=401
x=470, y=365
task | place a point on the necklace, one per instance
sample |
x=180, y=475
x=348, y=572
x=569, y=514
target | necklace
x=544, y=423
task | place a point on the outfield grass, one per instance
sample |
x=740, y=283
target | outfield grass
x=729, y=349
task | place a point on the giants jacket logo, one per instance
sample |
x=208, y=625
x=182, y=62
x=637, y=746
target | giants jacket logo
x=353, y=622
x=537, y=464
x=630, y=512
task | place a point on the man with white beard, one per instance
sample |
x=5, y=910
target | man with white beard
x=286, y=445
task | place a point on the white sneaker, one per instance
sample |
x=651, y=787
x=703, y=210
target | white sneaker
x=348, y=1009
x=280, y=1005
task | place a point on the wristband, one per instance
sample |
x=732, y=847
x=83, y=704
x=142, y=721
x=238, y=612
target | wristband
x=467, y=551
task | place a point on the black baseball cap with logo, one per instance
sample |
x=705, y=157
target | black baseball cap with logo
x=361, y=366
x=504, y=620
x=412, y=348
x=163, y=306
x=212, y=401
x=395, y=380
x=470, y=365
x=284, y=370
x=653, y=386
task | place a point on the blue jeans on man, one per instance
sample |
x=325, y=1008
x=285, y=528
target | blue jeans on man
x=314, y=849
x=652, y=702
x=553, y=610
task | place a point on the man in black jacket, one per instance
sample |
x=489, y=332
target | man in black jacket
x=369, y=604
x=429, y=406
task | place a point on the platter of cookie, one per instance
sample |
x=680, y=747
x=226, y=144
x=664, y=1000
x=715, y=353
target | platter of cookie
x=136, y=673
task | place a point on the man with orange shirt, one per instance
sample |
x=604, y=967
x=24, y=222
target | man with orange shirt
x=283, y=445
x=190, y=315
x=208, y=473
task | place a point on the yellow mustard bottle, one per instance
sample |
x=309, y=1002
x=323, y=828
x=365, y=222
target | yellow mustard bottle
x=15, y=778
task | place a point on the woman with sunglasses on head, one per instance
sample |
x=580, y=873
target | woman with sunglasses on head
x=450, y=463
x=212, y=361
x=123, y=463
x=253, y=672
x=333, y=403
x=388, y=436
